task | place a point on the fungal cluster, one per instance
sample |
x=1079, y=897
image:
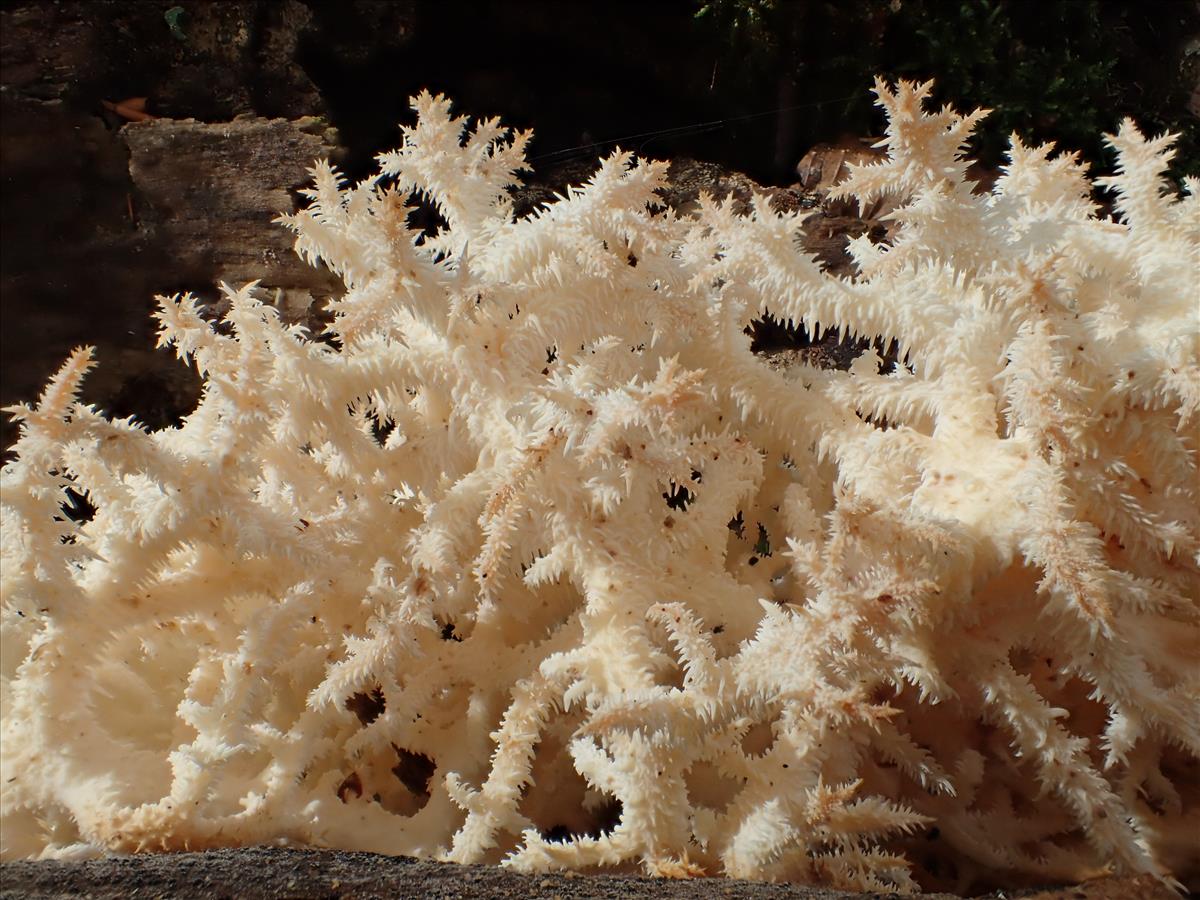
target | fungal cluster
x=530, y=560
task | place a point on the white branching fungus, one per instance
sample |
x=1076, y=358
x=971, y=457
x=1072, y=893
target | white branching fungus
x=532, y=561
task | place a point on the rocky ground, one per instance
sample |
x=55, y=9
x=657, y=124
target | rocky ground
x=263, y=873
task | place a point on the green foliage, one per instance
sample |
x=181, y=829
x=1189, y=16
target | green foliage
x=1057, y=70
x=749, y=21
x=1061, y=70
x=174, y=18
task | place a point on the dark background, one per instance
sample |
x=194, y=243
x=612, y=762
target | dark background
x=752, y=84
x=748, y=84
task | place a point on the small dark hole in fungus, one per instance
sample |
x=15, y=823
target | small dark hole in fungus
x=351, y=784
x=78, y=507
x=381, y=429
x=604, y=819
x=678, y=497
x=738, y=525
x=368, y=707
x=414, y=770
x=763, y=546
